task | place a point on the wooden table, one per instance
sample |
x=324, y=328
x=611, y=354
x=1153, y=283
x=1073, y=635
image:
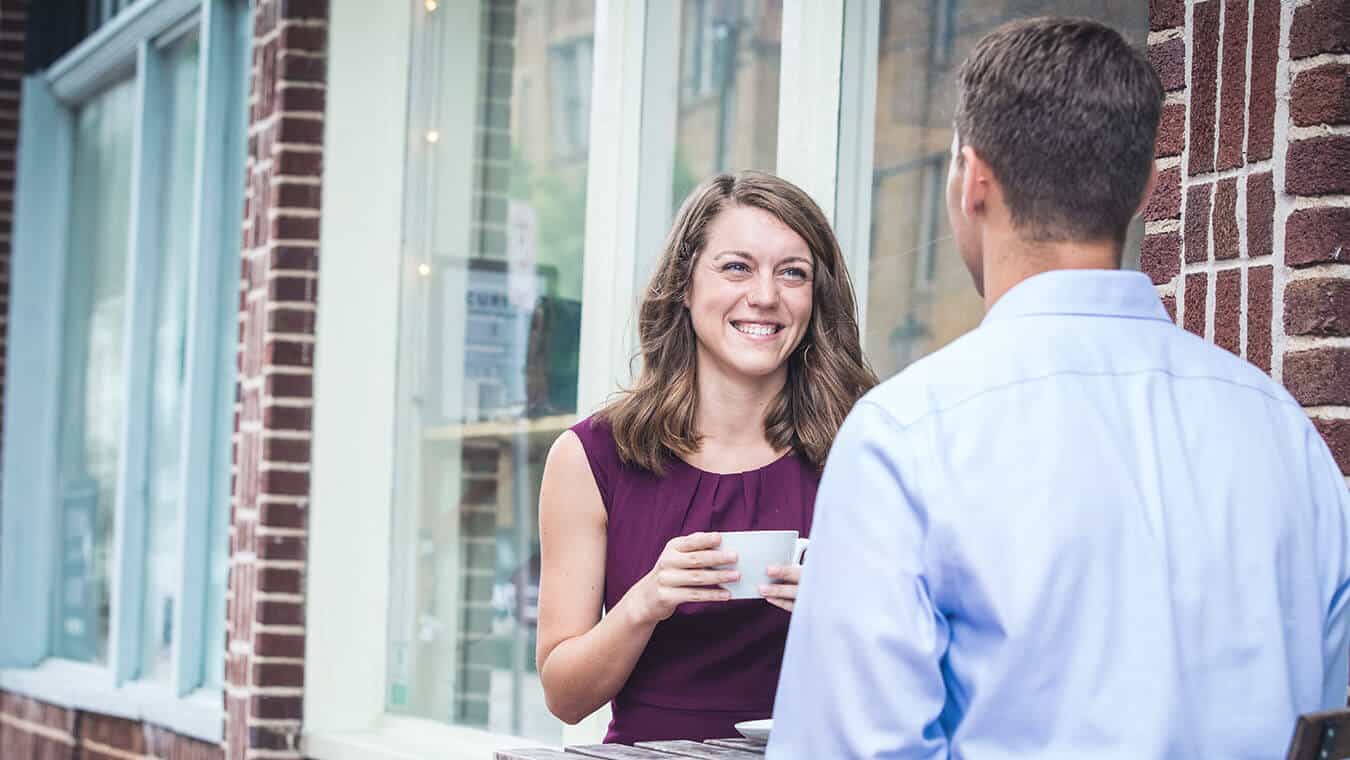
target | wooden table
x=712, y=749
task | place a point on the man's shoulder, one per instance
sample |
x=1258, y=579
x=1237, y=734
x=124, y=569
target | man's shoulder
x=958, y=370
x=981, y=363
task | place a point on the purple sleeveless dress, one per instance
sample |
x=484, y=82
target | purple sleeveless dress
x=710, y=665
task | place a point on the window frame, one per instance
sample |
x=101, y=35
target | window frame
x=131, y=45
x=349, y=564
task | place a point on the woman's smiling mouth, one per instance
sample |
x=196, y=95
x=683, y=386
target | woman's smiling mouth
x=757, y=329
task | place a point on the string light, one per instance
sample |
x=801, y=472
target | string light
x=432, y=5
x=433, y=136
x=424, y=269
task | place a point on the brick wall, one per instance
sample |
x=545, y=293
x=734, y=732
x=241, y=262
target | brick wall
x=278, y=289
x=33, y=730
x=1248, y=230
x=13, y=17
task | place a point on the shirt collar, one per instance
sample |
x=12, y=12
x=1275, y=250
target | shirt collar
x=1082, y=292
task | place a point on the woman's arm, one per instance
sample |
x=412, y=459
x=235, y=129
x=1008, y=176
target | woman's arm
x=584, y=660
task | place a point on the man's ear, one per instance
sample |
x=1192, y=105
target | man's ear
x=1148, y=189
x=975, y=182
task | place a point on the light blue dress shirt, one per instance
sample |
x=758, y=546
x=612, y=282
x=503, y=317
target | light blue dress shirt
x=1077, y=532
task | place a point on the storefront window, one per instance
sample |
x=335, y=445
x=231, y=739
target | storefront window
x=728, y=91
x=920, y=295
x=489, y=336
x=94, y=361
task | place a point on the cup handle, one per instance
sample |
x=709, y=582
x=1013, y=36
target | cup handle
x=799, y=549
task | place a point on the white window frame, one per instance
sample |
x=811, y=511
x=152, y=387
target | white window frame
x=633, y=113
x=130, y=45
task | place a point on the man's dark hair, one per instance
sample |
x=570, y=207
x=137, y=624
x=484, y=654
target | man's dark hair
x=1065, y=112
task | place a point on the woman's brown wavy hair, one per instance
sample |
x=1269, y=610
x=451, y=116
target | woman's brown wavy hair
x=827, y=373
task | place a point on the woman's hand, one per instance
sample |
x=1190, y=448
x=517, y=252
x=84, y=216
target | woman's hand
x=784, y=592
x=684, y=573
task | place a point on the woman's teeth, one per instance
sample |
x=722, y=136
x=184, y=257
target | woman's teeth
x=750, y=328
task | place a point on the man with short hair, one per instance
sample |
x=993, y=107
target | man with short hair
x=1078, y=531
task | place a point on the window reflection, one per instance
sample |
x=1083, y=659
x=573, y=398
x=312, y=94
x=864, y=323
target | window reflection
x=920, y=295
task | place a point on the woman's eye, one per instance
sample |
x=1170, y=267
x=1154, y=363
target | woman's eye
x=736, y=266
x=795, y=273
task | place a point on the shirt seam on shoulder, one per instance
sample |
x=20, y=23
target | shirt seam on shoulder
x=904, y=426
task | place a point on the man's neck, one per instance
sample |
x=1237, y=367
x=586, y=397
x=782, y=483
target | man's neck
x=1009, y=259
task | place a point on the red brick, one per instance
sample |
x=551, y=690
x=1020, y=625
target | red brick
x=236, y=670
x=1172, y=130
x=1170, y=303
x=291, y=195
x=291, y=321
x=1204, y=85
x=301, y=289
x=283, y=516
x=1233, y=97
x=1226, y=236
x=1260, y=214
x=1317, y=236
x=1169, y=60
x=303, y=131
x=310, y=39
x=1337, y=435
x=279, y=674
x=286, y=450
x=269, y=707
x=1316, y=377
x=294, y=228
x=288, y=353
x=1260, y=295
x=279, y=580
x=1228, y=310
x=287, y=418
x=1321, y=96
x=293, y=257
x=1165, y=203
x=1196, y=220
x=236, y=725
x=279, y=645
x=1160, y=257
x=283, y=483
x=39, y=712
x=294, y=97
x=281, y=548
x=279, y=613
x=299, y=163
x=295, y=67
x=264, y=19
x=298, y=10
x=1322, y=26
x=1265, y=60
x=1166, y=14
x=117, y=733
x=1318, y=166
x=244, y=534
x=273, y=737
x=279, y=385
x=1317, y=307
x=1196, y=290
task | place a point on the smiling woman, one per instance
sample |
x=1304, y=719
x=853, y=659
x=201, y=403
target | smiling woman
x=749, y=307
x=755, y=279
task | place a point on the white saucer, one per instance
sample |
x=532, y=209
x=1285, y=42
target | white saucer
x=755, y=730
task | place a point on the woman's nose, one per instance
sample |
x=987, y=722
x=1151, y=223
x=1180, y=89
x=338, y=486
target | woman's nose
x=763, y=293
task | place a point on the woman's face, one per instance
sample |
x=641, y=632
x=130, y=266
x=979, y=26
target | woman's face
x=750, y=296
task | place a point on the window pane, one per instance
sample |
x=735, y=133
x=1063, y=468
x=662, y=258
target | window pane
x=920, y=295
x=92, y=369
x=488, y=352
x=728, y=111
x=169, y=349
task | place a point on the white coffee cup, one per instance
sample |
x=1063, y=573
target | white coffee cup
x=756, y=551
